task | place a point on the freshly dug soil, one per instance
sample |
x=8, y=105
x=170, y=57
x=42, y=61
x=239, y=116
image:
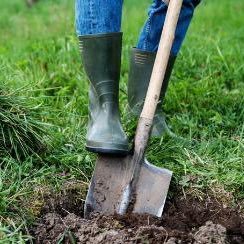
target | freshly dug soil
x=185, y=220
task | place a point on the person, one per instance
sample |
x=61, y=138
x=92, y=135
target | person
x=98, y=26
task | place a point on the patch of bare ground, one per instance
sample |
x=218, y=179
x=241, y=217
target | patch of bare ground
x=186, y=219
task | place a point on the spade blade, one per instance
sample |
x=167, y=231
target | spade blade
x=152, y=189
x=109, y=190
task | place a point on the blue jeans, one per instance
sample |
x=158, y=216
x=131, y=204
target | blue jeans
x=104, y=16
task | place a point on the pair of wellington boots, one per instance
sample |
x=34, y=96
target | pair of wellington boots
x=101, y=56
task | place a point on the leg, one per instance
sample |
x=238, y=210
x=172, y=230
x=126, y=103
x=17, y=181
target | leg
x=98, y=27
x=142, y=58
x=98, y=16
x=151, y=32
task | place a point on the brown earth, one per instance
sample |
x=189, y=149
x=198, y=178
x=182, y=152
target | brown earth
x=185, y=220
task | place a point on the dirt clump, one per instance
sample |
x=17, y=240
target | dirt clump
x=211, y=233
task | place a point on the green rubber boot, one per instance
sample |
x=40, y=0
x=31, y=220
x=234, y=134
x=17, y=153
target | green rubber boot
x=101, y=55
x=141, y=65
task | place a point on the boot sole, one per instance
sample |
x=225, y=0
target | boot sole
x=108, y=149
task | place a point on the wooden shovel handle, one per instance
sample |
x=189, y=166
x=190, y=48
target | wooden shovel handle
x=153, y=92
x=162, y=58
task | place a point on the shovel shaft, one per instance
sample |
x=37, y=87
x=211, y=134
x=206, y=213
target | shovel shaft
x=161, y=61
x=157, y=77
x=153, y=93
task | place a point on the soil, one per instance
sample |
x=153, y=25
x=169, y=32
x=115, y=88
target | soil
x=185, y=220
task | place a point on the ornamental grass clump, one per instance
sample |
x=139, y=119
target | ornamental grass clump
x=20, y=128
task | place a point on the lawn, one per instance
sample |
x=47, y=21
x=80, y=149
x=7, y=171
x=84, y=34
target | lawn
x=44, y=91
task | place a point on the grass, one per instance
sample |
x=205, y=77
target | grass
x=40, y=65
x=20, y=129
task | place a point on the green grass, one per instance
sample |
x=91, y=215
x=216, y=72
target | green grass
x=20, y=127
x=204, y=105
